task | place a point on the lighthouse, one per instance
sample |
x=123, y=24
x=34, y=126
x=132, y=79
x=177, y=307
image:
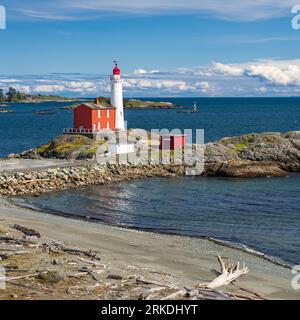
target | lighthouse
x=117, y=96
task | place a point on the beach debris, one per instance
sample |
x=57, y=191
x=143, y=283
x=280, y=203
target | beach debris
x=229, y=273
x=74, y=273
x=114, y=276
x=22, y=277
x=55, y=245
x=94, y=263
x=26, y=231
x=50, y=276
x=149, y=282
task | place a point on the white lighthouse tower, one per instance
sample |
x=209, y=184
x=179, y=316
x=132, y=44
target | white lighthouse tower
x=117, y=96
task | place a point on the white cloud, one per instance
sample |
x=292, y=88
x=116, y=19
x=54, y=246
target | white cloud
x=140, y=71
x=166, y=85
x=24, y=88
x=9, y=80
x=275, y=72
x=202, y=85
x=48, y=88
x=143, y=71
x=262, y=89
x=230, y=9
x=263, y=78
x=49, y=15
x=89, y=9
x=228, y=69
x=285, y=75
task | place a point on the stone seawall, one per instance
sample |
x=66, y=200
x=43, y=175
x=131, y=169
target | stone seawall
x=40, y=181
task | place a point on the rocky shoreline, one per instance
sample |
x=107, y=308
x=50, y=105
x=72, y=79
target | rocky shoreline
x=246, y=156
x=254, y=155
x=40, y=181
x=39, y=268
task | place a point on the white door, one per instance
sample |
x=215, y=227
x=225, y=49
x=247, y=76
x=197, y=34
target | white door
x=99, y=126
x=94, y=127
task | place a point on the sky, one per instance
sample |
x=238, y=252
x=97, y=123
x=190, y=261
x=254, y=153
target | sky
x=166, y=48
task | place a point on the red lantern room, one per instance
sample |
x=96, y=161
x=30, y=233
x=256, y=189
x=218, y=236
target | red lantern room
x=116, y=70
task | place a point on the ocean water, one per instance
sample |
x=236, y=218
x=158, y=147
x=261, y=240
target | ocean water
x=219, y=117
x=263, y=214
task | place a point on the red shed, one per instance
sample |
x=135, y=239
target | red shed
x=94, y=116
x=172, y=141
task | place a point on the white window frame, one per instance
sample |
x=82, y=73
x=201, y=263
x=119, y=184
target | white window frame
x=108, y=113
x=99, y=114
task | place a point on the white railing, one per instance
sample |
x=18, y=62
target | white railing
x=74, y=130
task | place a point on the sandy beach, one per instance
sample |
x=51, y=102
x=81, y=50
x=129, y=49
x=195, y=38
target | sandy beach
x=183, y=261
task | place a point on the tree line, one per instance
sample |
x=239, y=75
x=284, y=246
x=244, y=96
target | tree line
x=11, y=95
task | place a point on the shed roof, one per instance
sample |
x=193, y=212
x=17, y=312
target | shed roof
x=95, y=106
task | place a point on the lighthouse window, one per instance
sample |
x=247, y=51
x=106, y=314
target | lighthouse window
x=99, y=113
x=108, y=113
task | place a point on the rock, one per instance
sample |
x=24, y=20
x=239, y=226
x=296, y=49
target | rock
x=114, y=276
x=50, y=277
x=11, y=156
x=28, y=177
x=62, y=176
x=19, y=175
x=75, y=176
x=250, y=169
x=292, y=135
x=250, y=155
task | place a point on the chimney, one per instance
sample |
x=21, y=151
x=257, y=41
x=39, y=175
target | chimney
x=97, y=101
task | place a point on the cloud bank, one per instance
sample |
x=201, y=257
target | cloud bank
x=256, y=78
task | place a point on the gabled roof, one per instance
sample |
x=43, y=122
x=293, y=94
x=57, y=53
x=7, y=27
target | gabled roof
x=95, y=106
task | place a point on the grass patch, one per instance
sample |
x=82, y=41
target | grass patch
x=239, y=147
x=43, y=148
x=69, y=146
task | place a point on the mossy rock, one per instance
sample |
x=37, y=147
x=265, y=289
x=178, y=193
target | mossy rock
x=239, y=147
x=70, y=147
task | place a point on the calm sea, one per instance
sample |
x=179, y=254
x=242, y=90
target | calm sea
x=263, y=214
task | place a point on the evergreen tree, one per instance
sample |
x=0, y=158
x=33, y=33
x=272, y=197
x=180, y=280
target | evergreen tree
x=2, y=95
x=11, y=94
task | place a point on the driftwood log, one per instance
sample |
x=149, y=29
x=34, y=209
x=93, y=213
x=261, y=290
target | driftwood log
x=229, y=273
x=26, y=231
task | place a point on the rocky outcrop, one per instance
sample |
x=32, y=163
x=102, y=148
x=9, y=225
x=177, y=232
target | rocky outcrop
x=245, y=156
x=70, y=147
x=254, y=155
x=250, y=169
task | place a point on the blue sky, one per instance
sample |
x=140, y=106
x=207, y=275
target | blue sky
x=165, y=48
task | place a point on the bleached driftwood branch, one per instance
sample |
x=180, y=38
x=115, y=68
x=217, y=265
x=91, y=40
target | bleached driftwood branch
x=229, y=273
